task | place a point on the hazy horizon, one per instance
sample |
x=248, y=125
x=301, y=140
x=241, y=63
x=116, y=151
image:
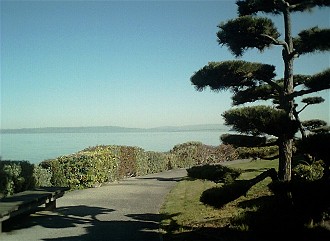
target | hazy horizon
x=179, y=127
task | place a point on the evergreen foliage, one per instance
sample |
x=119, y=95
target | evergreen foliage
x=243, y=140
x=250, y=82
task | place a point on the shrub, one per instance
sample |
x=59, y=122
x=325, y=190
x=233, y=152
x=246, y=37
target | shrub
x=95, y=165
x=56, y=168
x=225, y=153
x=257, y=152
x=195, y=153
x=84, y=169
x=15, y=176
x=215, y=173
x=42, y=176
x=157, y=162
x=127, y=162
x=306, y=171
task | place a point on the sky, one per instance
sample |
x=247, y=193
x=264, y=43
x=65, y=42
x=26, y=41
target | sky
x=124, y=63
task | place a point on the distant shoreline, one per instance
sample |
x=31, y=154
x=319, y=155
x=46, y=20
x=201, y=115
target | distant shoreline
x=115, y=129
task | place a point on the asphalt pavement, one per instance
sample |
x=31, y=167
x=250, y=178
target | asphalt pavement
x=127, y=210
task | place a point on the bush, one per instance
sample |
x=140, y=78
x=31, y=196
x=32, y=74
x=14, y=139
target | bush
x=308, y=172
x=257, y=152
x=127, y=162
x=84, y=169
x=15, y=176
x=95, y=165
x=42, y=176
x=18, y=176
x=215, y=173
x=195, y=153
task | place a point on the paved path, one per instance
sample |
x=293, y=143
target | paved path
x=123, y=211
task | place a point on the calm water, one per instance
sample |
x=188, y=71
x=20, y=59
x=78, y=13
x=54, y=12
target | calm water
x=38, y=147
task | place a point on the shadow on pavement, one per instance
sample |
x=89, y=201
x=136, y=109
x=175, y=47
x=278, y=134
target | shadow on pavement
x=141, y=227
x=162, y=179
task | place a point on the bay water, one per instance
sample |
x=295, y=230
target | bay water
x=37, y=147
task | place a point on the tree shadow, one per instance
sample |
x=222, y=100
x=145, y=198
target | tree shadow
x=267, y=221
x=163, y=179
x=89, y=223
x=232, y=234
x=255, y=169
x=63, y=217
x=220, y=196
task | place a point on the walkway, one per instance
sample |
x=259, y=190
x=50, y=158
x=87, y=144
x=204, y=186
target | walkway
x=123, y=211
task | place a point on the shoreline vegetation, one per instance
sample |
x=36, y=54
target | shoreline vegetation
x=95, y=165
x=188, y=212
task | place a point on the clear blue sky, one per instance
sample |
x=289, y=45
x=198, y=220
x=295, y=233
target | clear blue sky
x=124, y=63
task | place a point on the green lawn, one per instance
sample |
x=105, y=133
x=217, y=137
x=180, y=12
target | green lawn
x=255, y=216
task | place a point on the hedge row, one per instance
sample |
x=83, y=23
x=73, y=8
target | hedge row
x=95, y=165
x=257, y=152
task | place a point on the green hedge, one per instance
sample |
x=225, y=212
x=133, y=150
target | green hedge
x=96, y=165
x=196, y=153
x=215, y=173
x=257, y=152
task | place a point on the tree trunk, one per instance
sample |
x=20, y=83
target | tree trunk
x=287, y=103
x=285, y=156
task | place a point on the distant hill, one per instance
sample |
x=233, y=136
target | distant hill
x=205, y=127
x=114, y=129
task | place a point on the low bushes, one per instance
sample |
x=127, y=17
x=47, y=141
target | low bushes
x=95, y=165
x=89, y=167
x=195, y=153
x=257, y=152
x=215, y=173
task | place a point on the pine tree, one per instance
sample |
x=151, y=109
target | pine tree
x=250, y=81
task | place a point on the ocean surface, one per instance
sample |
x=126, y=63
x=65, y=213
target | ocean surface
x=42, y=146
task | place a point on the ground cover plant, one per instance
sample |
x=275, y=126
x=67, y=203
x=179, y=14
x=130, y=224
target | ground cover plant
x=256, y=215
x=215, y=173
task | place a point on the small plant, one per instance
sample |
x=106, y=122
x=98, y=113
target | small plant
x=15, y=176
x=215, y=173
x=308, y=172
x=42, y=176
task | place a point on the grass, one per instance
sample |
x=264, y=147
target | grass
x=256, y=216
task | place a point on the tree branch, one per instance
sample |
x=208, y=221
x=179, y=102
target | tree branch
x=274, y=85
x=277, y=42
x=303, y=92
x=298, y=112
